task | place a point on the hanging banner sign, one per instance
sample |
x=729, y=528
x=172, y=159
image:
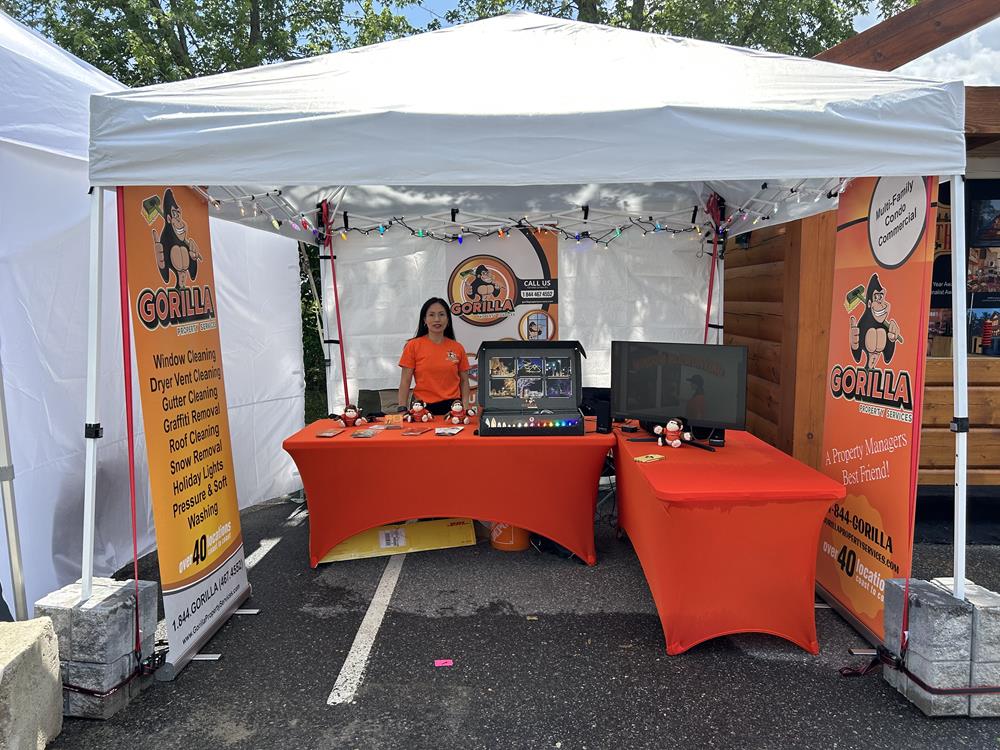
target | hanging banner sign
x=505, y=289
x=193, y=489
x=875, y=381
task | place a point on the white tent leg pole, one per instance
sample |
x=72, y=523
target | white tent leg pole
x=10, y=511
x=93, y=430
x=960, y=365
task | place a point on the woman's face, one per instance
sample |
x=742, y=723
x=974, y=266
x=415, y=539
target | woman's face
x=436, y=318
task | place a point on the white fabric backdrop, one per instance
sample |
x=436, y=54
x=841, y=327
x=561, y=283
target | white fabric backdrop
x=651, y=288
x=44, y=241
x=44, y=230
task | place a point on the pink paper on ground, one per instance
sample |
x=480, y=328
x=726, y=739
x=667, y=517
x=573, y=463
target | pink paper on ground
x=443, y=663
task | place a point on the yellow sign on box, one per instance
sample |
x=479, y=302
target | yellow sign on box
x=395, y=539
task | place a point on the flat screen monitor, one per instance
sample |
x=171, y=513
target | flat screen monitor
x=652, y=382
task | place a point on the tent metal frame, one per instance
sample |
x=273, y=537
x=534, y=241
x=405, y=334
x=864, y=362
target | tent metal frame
x=959, y=356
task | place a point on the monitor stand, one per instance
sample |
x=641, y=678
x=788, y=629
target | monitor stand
x=718, y=438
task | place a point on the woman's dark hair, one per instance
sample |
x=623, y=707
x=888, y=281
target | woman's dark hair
x=449, y=332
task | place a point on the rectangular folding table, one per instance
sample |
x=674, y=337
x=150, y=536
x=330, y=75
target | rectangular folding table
x=547, y=485
x=727, y=540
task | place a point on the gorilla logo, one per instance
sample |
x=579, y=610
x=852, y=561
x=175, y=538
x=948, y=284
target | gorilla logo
x=175, y=250
x=875, y=334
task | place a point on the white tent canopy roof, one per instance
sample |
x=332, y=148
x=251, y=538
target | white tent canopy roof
x=43, y=92
x=524, y=99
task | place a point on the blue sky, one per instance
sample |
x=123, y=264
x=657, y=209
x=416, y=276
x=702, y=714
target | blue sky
x=973, y=58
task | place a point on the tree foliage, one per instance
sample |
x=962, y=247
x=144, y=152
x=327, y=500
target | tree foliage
x=795, y=27
x=140, y=42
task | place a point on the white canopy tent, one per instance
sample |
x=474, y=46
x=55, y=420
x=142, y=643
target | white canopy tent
x=538, y=121
x=44, y=232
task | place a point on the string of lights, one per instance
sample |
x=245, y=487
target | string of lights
x=602, y=227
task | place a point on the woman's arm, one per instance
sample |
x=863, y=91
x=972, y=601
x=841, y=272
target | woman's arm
x=403, y=397
x=466, y=393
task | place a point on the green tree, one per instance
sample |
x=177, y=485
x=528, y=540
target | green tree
x=794, y=27
x=141, y=42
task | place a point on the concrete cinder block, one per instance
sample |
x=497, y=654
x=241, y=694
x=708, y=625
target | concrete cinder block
x=940, y=625
x=30, y=689
x=895, y=678
x=929, y=704
x=985, y=619
x=96, y=676
x=935, y=705
x=102, y=629
x=939, y=674
x=985, y=673
x=985, y=624
x=85, y=706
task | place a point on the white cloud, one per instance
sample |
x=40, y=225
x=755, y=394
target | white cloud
x=973, y=58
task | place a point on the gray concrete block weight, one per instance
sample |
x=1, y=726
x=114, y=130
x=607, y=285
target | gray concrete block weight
x=102, y=629
x=985, y=673
x=940, y=626
x=99, y=642
x=30, y=701
x=985, y=619
x=95, y=676
x=941, y=672
x=935, y=705
x=86, y=706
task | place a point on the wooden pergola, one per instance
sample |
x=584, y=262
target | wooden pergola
x=778, y=286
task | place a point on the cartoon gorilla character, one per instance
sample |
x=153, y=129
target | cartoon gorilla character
x=175, y=251
x=875, y=334
x=483, y=284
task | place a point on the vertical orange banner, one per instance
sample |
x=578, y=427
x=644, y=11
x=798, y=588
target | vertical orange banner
x=183, y=394
x=875, y=378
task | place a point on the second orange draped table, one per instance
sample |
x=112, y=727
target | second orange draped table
x=727, y=540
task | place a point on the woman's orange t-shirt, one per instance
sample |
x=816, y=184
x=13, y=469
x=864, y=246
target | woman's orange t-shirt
x=436, y=368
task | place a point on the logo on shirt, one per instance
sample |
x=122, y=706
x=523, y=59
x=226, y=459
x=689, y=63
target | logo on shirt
x=452, y=356
x=482, y=290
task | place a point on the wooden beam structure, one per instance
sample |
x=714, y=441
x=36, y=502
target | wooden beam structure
x=982, y=114
x=912, y=33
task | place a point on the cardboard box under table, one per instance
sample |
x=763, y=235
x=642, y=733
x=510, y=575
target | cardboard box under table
x=547, y=485
x=727, y=540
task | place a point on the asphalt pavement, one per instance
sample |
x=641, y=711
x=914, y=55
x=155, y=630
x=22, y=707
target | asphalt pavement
x=546, y=653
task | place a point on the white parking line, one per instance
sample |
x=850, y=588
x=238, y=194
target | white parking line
x=353, y=671
x=258, y=554
x=299, y=515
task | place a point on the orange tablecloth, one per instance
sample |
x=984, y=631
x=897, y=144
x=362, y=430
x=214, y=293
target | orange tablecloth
x=727, y=540
x=547, y=485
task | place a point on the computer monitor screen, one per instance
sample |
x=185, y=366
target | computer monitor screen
x=707, y=385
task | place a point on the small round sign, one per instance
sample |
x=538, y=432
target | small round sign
x=897, y=219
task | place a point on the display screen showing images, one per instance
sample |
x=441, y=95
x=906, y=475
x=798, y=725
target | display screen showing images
x=501, y=367
x=530, y=377
x=558, y=367
x=529, y=389
x=502, y=388
x=529, y=367
x=558, y=388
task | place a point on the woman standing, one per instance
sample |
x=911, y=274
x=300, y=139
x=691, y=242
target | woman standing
x=436, y=361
